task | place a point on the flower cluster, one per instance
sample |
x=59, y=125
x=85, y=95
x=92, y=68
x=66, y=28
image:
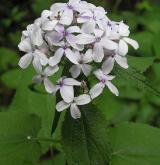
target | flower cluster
x=81, y=35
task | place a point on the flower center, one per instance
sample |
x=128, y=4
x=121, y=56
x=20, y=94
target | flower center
x=103, y=81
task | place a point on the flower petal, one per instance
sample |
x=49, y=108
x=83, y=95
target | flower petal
x=56, y=58
x=123, y=48
x=98, y=52
x=49, y=71
x=89, y=26
x=96, y=90
x=37, y=65
x=122, y=61
x=112, y=88
x=75, y=71
x=108, y=65
x=71, y=82
x=42, y=57
x=25, y=60
x=108, y=44
x=88, y=56
x=133, y=43
x=67, y=17
x=86, y=69
x=25, y=45
x=99, y=74
x=71, y=56
x=61, y=106
x=83, y=99
x=75, y=112
x=67, y=93
x=84, y=39
x=50, y=88
x=37, y=79
x=74, y=29
x=49, y=25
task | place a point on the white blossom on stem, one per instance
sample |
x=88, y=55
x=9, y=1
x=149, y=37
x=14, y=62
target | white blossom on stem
x=75, y=111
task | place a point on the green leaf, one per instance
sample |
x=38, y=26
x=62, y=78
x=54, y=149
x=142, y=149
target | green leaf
x=85, y=140
x=140, y=63
x=135, y=79
x=42, y=104
x=135, y=144
x=15, y=148
x=8, y=58
x=11, y=78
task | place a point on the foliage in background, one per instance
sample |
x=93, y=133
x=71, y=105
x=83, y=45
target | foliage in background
x=27, y=114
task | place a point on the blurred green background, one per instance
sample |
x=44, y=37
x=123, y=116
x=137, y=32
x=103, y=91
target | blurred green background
x=136, y=103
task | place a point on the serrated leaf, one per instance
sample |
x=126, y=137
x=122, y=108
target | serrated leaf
x=135, y=144
x=85, y=140
x=15, y=148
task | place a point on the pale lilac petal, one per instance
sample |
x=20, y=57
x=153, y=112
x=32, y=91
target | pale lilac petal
x=73, y=29
x=122, y=61
x=75, y=112
x=71, y=39
x=37, y=65
x=49, y=71
x=42, y=57
x=96, y=90
x=89, y=26
x=83, y=99
x=50, y=88
x=61, y=106
x=86, y=69
x=58, y=7
x=57, y=57
x=88, y=56
x=124, y=29
x=99, y=12
x=53, y=37
x=71, y=56
x=60, y=28
x=123, y=48
x=25, y=45
x=25, y=60
x=67, y=17
x=67, y=93
x=75, y=71
x=84, y=39
x=112, y=88
x=99, y=74
x=71, y=82
x=83, y=19
x=37, y=79
x=98, y=52
x=36, y=36
x=133, y=43
x=98, y=33
x=46, y=13
x=108, y=65
x=108, y=44
x=49, y=25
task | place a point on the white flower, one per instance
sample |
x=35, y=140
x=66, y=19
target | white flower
x=43, y=77
x=99, y=41
x=90, y=18
x=78, y=35
x=68, y=35
x=65, y=85
x=82, y=60
x=104, y=81
x=38, y=57
x=75, y=111
x=64, y=49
